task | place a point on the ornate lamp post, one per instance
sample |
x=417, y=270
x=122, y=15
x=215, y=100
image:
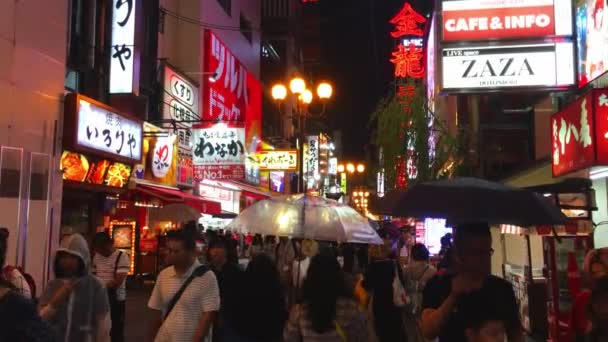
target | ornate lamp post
x=302, y=97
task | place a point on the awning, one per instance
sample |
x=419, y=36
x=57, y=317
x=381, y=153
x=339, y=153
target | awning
x=170, y=194
x=250, y=190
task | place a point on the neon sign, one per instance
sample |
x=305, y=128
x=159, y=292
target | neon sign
x=408, y=57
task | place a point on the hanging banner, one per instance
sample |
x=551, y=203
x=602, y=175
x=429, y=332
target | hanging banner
x=219, y=152
x=159, y=164
x=123, y=54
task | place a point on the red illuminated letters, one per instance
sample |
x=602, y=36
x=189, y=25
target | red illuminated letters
x=407, y=22
x=408, y=61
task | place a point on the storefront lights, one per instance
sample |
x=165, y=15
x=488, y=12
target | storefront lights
x=324, y=90
x=279, y=92
x=297, y=85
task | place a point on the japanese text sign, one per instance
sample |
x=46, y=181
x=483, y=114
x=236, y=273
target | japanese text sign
x=122, y=54
x=278, y=159
x=508, y=66
x=497, y=19
x=180, y=103
x=226, y=92
x=408, y=57
x=220, y=150
x=159, y=164
x=312, y=157
x=99, y=128
x=575, y=131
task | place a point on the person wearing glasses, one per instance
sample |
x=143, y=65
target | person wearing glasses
x=468, y=287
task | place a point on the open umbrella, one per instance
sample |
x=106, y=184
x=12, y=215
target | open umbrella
x=176, y=212
x=305, y=216
x=469, y=200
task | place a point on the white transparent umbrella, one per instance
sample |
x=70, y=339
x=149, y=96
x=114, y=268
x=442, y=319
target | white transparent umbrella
x=307, y=217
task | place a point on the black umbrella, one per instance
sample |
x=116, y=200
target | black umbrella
x=471, y=200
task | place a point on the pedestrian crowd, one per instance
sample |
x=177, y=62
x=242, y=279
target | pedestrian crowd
x=269, y=289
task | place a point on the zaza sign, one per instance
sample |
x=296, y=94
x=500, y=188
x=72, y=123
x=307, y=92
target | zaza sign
x=496, y=19
x=509, y=66
x=580, y=133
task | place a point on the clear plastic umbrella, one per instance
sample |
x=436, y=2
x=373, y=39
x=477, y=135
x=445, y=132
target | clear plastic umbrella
x=308, y=217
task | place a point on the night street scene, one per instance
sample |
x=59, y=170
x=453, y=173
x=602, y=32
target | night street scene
x=303, y=170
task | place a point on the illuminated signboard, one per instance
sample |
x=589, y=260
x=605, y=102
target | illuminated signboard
x=80, y=168
x=219, y=152
x=93, y=127
x=496, y=19
x=312, y=156
x=408, y=57
x=180, y=103
x=159, y=164
x=123, y=52
x=278, y=159
x=508, y=66
x=580, y=133
x=592, y=40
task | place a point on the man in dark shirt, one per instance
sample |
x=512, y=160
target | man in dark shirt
x=469, y=286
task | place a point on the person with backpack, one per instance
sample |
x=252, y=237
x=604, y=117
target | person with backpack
x=186, y=294
x=112, y=267
x=417, y=273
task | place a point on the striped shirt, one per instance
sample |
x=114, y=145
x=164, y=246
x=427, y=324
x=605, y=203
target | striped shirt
x=202, y=295
x=106, y=267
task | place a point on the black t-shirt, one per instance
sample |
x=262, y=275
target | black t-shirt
x=20, y=321
x=494, y=301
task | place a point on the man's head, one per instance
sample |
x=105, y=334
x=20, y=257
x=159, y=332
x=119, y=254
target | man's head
x=420, y=252
x=473, y=249
x=181, y=247
x=217, y=254
x=102, y=244
x=68, y=265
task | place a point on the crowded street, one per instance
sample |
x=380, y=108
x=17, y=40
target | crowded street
x=304, y=170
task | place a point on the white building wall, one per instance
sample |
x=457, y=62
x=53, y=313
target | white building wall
x=33, y=37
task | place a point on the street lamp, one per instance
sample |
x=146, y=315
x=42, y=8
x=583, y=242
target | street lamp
x=350, y=167
x=303, y=98
x=360, y=168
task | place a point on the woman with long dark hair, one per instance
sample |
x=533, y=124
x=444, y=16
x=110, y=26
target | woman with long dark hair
x=20, y=320
x=598, y=310
x=259, y=312
x=327, y=312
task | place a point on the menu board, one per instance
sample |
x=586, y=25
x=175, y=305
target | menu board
x=77, y=167
x=122, y=236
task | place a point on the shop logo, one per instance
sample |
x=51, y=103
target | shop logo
x=565, y=133
x=501, y=67
x=162, y=157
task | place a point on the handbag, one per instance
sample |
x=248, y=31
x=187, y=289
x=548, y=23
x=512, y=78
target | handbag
x=399, y=295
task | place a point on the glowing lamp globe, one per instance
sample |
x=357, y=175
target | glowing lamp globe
x=324, y=91
x=306, y=96
x=297, y=85
x=360, y=168
x=279, y=92
x=350, y=168
x=340, y=168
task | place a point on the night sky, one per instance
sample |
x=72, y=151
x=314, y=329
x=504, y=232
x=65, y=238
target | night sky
x=356, y=48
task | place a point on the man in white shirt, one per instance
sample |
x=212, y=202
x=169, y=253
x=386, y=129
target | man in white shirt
x=191, y=316
x=112, y=267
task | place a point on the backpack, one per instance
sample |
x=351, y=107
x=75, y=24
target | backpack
x=8, y=271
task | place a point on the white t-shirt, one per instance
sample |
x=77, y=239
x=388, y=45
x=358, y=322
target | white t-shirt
x=105, y=267
x=202, y=295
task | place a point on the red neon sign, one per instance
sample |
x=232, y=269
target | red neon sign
x=407, y=22
x=408, y=61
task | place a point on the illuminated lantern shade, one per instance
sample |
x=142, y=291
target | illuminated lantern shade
x=340, y=168
x=350, y=168
x=279, y=92
x=324, y=90
x=360, y=168
x=306, y=96
x=297, y=85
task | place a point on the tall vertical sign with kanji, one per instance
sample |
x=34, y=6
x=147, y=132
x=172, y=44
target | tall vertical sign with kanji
x=123, y=54
x=408, y=59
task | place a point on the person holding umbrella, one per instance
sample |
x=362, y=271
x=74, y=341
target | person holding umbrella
x=469, y=284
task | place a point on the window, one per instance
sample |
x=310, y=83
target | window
x=226, y=5
x=246, y=29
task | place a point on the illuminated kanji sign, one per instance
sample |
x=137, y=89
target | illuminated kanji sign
x=407, y=22
x=408, y=61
